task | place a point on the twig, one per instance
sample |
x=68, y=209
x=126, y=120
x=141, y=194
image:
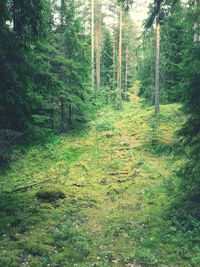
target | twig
x=30, y=186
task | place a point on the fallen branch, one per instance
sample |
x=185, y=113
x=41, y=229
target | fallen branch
x=26, y=187
x=118, y=173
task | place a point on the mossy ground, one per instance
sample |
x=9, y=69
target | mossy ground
x=100, y=196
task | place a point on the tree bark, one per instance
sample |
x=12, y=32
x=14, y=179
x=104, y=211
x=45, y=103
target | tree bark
x=119, y=73
x=114, y=61
x=70, y=114
x=62, y=11
x=62, y=114
x=126, y=75
x=52, y=115
x=197, y=24
x=98, y=45
x=157, y=69
x=92, y=44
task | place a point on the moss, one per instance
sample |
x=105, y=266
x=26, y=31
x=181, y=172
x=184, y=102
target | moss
x=36, y=247
x=10, y=258
x=108, y=200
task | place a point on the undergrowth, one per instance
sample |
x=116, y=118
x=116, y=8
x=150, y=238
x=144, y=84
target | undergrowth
x=106, y=195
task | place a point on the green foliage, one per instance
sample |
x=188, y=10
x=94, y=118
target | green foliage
x=43, y=63
x=107, y=70
x=75, y=240
x=8, y=140
x=75, y=53
x=146, y=68
x=25, y=79
x=172, y=47
x=179, y=79
x=173, y=43
x=91, y=198
x=189, y=174
x=105, y=126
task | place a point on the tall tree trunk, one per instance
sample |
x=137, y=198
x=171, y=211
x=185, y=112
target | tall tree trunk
x=114, y=61
x=197, y=24
x=62, y=115
x=62, y=12
x=98, y=68
x=157, y=69
x=119, y=73
x=126, y=75
x=15, y=23
x=92, y=44
x=62, y=112
x=52, y=115
x=114, y=54
x=70, y=114
x=98, y=45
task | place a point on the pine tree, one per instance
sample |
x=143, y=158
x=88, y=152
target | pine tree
x=191, y=80
x=119, y=71
x=75, y=77
x=107, y=68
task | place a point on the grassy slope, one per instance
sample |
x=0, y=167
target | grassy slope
x=116, y=178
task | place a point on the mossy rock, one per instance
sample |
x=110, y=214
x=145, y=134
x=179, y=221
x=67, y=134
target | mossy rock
x=50, y=195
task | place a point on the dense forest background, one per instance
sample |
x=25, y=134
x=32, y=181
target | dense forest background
x=62, y=62
x=45, y=57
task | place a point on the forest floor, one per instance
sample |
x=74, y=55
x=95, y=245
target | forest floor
x=99, y=196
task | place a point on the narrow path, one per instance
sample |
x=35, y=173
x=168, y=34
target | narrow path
x=112, y=178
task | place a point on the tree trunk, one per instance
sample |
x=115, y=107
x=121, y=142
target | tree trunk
x=126, y=75
x=62, y=11
x=62, y=115
x=98, y=83
x=92, y=44
x=62, y=112
x=52, y=116
x=196, y=27
x=114, y=61
x=98, y=45
x=119, y=73
x=157, y=69
x=70, y=114
x=114, y=55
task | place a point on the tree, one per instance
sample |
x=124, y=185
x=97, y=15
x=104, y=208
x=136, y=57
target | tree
x=119, y=72
x=129, y=51
x=98, y=34
x=107, y=64
x=92, y=44
x=146, y=66
x=191, y=79
x=157, y=69
x=21, y=92
x=75, y=74
x=171, y=56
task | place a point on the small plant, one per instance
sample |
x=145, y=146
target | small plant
x=105, y=126
x=69, y=238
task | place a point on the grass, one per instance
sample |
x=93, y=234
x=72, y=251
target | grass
x=100, y=197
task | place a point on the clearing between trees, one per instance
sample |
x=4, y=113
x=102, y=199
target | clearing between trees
x=99, y=196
